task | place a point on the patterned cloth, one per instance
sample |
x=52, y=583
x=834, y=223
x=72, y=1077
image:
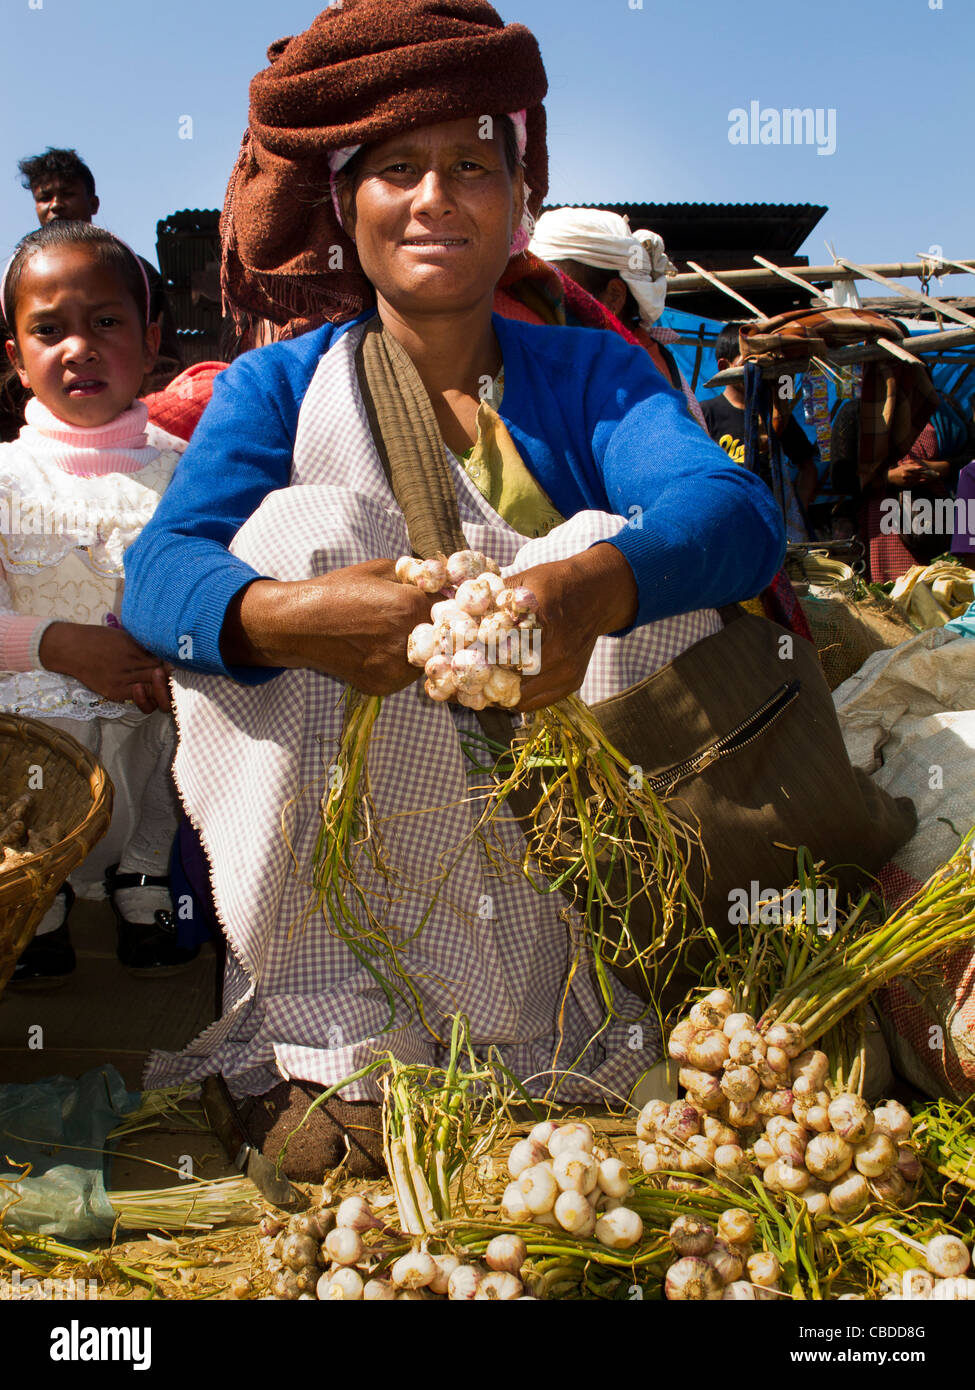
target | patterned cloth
x=252, y=765
x=897, y=398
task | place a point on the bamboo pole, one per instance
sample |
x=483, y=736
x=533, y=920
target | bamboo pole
x=781, y=273
x=696, y=283
x=726, y=289
x=915, y=296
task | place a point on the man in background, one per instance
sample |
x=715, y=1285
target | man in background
x=63, y=186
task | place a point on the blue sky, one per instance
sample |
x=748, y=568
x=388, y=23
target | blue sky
x=639, y=103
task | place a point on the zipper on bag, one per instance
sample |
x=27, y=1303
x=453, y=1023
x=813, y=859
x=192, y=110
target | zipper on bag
x=739, y=737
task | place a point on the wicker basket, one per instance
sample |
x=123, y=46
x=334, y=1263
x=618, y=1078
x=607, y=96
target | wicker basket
x=69, y=786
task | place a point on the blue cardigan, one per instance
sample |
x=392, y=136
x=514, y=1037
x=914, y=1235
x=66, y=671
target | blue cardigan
x=593, y=420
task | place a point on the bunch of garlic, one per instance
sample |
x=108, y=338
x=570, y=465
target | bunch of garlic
x=321, y=1255
x=560, y=1180
x=761, y=1101
x=482, y=635
x=719, y=1264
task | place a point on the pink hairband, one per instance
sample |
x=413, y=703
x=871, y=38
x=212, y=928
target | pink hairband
x=338, y=159
x=125, y=244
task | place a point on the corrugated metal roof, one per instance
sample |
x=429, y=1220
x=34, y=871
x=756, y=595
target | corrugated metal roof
x=697, y=227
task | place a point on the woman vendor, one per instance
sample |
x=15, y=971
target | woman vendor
x=394, y=154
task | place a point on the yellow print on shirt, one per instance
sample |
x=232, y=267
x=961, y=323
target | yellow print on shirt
x=734, y=447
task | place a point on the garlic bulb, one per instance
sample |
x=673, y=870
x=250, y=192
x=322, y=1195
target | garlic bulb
x=741, y=1114
x=440, y=683
x=474, y=596
x=721, y=1000
x=746, y=1047
x=736, y=1226
x=817, y=1203
x=465, y=564
x=577, y=1135
x=407, y=569
x=764, y=1270
x=446, y=1264
x=500, y=1286
x=708, y=1050
x=828, y=1156
x=414, y=1270
x=575, y=1213
x=431, y=575
x=849, y=1194
x=514, y=1204
x=851, y=1117
x=297, y=1252
x=703, y=1086
x=705, y=1016
x=737, y=1023
x=727, y=1262
x=875, y=1155
x=377, y=1291
x=683, y=1120
x=651, y=1118
x=421, y=644
x=817, y=1118
x=463, y=1283
x=811, y=1064
x=503, y=687
x=908, y=1163
x=506, y=1253
x=525, y=1154
x=718, y=1132
x=692, y=1278
x=612, y=1177
x=344, y=1246
x=539, y=1188
x=764, y=1151
x=946, y=1256
x=356, y=1214
x=679, y=1040
x=619, y=1229
x=344, y=1285
x=788, y=1037
x=575, y=1171
x=775, y=1103
x=689, y=1236
x=542, y=1132
x=697, y=1155
x=893, y=1119
x=889, y=1187
x=740, y=1084
x=517, y=603
x=739, y=1292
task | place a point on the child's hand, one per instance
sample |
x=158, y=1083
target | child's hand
x=108, y=661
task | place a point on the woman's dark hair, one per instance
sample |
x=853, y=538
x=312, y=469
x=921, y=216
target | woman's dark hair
x=107, y=250
x=595, y=281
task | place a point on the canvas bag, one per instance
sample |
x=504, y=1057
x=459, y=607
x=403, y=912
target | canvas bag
x=738, y=733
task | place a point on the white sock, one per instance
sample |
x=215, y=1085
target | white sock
x=140, y=904
x=54, y=915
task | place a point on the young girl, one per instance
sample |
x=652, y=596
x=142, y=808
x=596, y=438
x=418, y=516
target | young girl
x=76, y=488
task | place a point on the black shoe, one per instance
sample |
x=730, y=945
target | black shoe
x=147, y=947
x=48, y=959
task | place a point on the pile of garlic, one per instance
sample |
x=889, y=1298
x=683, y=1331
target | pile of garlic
x=760, y=1102
x=320, y=1255
x=560, y=1180
x=719, y=1264
x=482, y=636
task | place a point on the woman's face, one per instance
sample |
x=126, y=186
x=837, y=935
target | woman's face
x=432, y=214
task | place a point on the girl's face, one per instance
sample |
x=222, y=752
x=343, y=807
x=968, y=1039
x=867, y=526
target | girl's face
x=81, y=345
x=432, y=215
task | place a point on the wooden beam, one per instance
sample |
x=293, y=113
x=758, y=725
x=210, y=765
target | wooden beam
x=726, y=289
x=783, y=274
x=765, y=279
x=915, y=296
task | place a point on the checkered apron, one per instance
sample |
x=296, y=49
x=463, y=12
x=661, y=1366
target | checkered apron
x=252, y=766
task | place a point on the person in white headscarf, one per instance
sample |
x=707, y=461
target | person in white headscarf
x=625, y=270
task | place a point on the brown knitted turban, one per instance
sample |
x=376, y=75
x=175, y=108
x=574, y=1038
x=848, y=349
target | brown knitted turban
x=362, y=72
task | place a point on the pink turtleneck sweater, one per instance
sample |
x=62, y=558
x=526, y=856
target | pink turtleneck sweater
x=87, y=452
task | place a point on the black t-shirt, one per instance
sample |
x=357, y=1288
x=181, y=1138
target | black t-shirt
x=726, y=425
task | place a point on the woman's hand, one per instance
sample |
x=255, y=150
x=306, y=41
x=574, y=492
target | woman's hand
x=109, y=662
x=351, y=624
x=579, y=599
x=910, y=471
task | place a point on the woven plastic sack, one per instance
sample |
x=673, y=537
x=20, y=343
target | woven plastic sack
x=846, y=630
x=908, y=717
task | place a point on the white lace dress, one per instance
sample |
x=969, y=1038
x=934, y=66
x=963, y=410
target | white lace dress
x=62, y=542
